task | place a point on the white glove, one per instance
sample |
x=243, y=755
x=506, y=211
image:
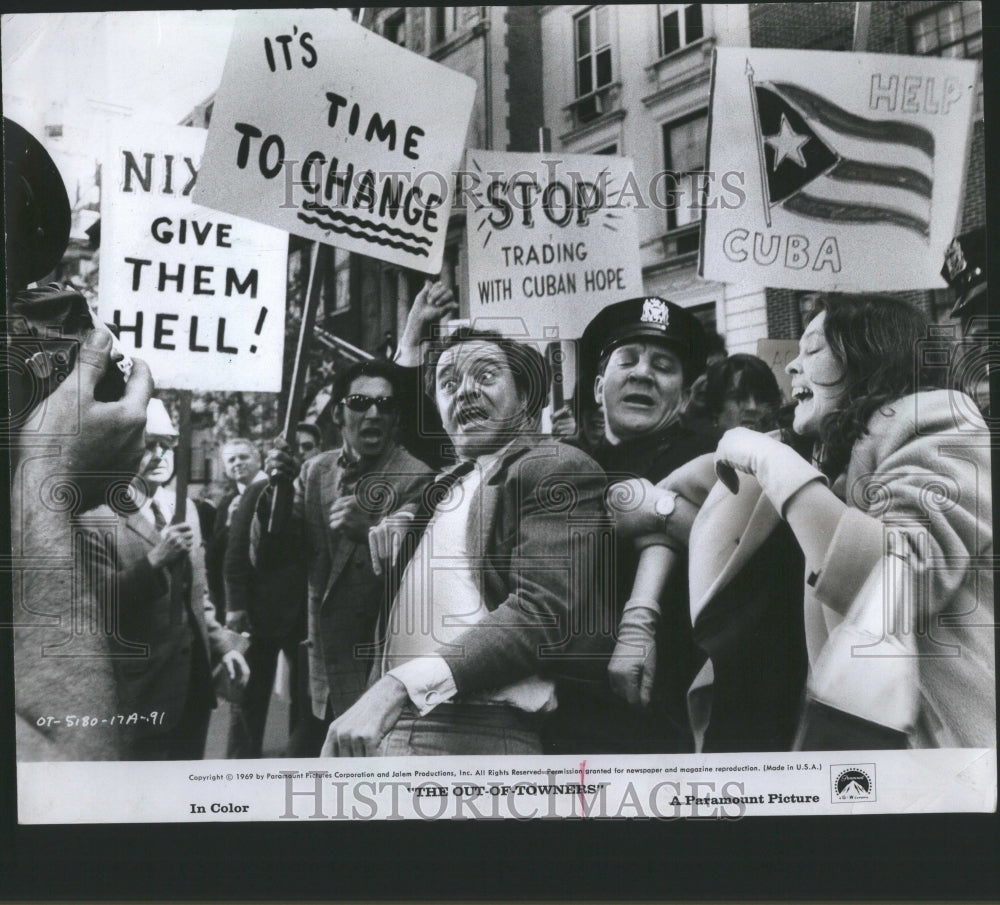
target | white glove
x=632, y=668
x=780, y=471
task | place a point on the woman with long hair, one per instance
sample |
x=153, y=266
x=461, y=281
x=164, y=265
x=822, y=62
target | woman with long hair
x=893, y=518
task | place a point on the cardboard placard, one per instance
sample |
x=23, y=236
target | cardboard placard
x=850, y=182
x=552, y=238
x=777, y=353
x=324, y=129
x=199, y=295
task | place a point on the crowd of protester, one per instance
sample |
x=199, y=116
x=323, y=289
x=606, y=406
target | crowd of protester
x=683, y=561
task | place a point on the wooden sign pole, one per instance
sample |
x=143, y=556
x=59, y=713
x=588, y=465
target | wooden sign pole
x=281, y=507
x=182, y=457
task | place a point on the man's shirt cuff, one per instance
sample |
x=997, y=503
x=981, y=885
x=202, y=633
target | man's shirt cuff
x=428, y=682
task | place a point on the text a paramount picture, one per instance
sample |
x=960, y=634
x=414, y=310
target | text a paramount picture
x=499, y=412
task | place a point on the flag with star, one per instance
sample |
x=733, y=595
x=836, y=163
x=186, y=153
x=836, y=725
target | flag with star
x=822, y=161
x=832, y=171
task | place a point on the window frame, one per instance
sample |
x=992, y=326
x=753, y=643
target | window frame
x=442, y=32
x=665, y=130
x=663, y=10
x=935, y=13
x=963, y=41
x=590, y=15
x=397, y=21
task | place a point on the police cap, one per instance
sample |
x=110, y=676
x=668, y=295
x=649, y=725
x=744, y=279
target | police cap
x=965, y=272
x=645, y=318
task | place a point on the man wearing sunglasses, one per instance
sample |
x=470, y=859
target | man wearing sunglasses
x=339, y=495
x=497, y=597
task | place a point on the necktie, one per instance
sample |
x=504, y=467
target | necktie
x=179, y=571
x=158, y=518
x=350, y=471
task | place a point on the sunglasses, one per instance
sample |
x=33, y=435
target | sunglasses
x=384, y=405
x=307, y=446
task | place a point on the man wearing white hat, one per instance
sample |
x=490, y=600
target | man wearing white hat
x=163, y=607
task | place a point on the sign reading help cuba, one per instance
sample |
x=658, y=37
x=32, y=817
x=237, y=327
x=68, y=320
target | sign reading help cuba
x=552, y=238
x=326, y=130
x=851, y=166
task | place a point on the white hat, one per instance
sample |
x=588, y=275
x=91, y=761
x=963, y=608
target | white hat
x=158, y=423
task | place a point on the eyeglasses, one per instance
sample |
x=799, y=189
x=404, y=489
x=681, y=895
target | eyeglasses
x=307, y=446
x=384, y=405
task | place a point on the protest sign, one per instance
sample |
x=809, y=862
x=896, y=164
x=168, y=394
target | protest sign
x=552, y=239
x=848, y=183
x=199, y=295
x=328, y=131
x=778, y=353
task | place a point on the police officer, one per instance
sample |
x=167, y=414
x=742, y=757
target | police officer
x=641, y=356
x=965, y=272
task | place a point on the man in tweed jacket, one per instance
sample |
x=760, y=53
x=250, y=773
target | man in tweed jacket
x=500, y=594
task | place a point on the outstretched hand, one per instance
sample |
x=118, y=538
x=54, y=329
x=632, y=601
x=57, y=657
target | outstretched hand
x=432, y=303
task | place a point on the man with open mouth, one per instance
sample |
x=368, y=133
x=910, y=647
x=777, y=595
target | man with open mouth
x=640, y=357
x=492, y=602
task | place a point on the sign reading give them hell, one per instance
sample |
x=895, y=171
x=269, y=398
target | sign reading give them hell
x=552, y=238
x=326, y=130
x=197, y=294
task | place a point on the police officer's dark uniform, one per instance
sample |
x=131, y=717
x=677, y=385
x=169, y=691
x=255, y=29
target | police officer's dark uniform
x=965, y=272
x=590, y=718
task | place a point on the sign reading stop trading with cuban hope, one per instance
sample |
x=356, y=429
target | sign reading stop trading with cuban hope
x=197, y=294
x=552, y=238
x=326, y=130
x=851, y=165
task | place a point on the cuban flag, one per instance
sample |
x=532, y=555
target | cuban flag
x=826, y=163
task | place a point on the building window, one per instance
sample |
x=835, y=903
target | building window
x=684, y=162
x=593, y=50
x=706, y=314
x=394, y=28
x=680, y=24
x=442, y=24
x=952, y=30
x=610, y=150
x=341, y=289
